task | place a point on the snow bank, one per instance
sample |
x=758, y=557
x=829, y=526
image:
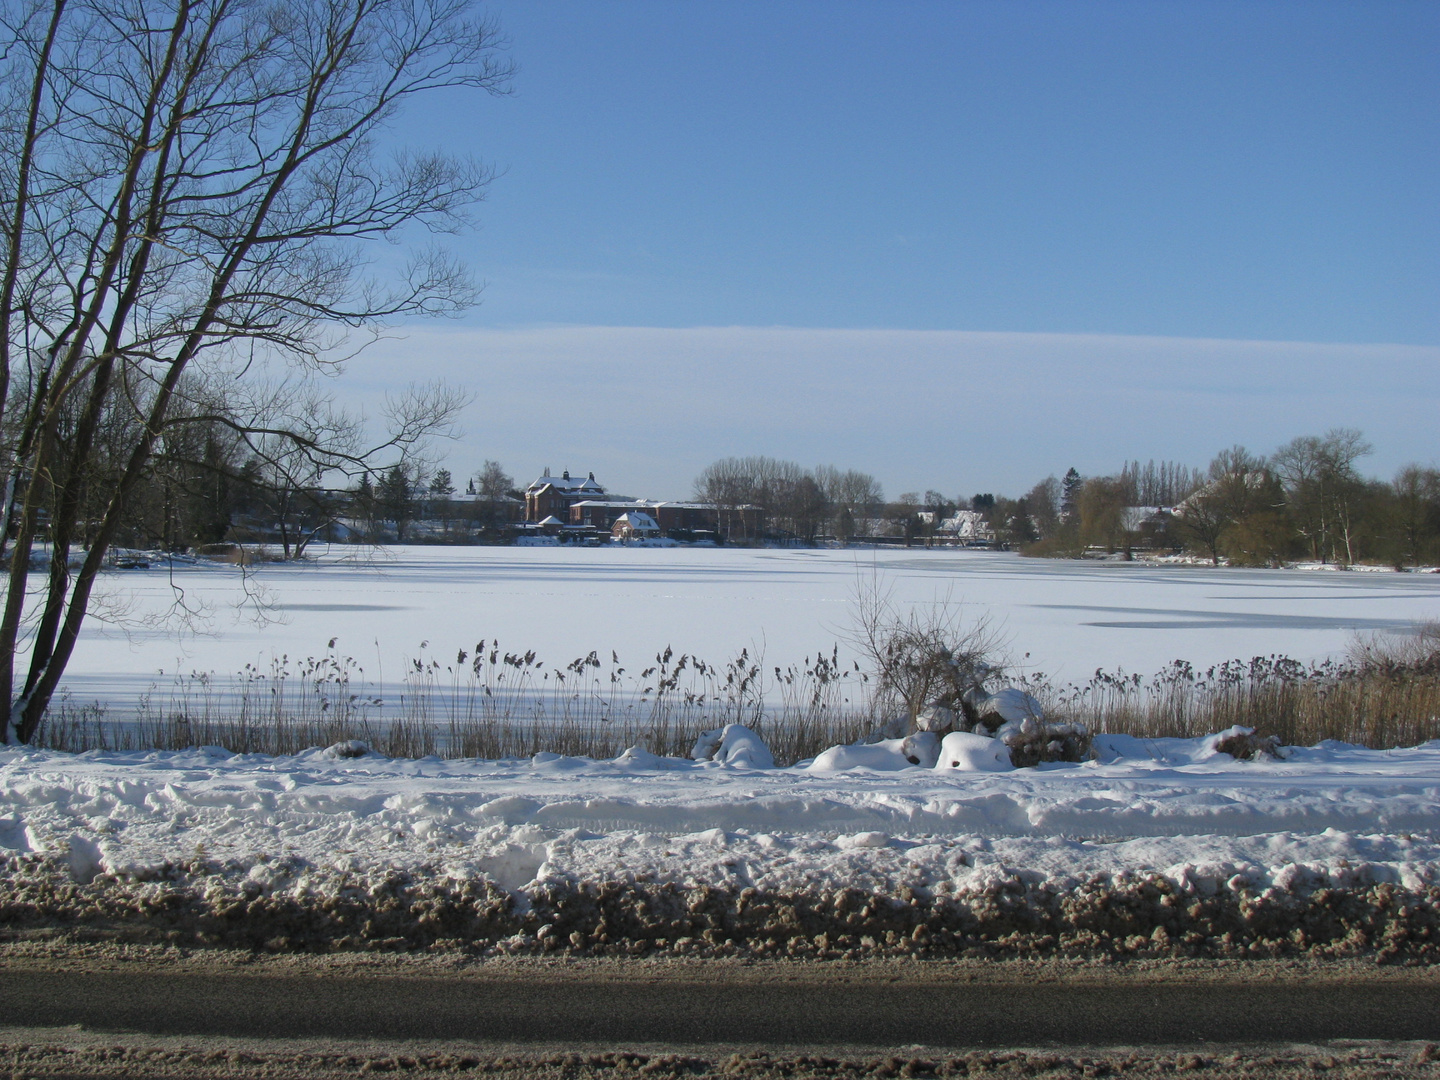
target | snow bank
x=326, y=844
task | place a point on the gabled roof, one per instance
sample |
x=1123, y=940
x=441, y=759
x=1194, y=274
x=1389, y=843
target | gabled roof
x=567, y=484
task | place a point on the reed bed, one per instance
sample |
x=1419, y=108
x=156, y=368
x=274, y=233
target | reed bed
x=488, y=702
x=1300, y=704
x=485, y=703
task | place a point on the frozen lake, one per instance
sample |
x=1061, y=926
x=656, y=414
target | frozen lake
x=1070, y=617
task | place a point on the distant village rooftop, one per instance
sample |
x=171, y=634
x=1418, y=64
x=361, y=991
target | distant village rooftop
x=568, y=484
x=554, y=495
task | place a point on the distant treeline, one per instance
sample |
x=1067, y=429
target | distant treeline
x=1306, y=500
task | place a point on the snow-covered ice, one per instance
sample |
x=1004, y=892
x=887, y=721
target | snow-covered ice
x=384, y=610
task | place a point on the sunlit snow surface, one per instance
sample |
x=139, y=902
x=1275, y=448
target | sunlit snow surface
x=1069, y=617
x=1329, y=815
x=1333, y=814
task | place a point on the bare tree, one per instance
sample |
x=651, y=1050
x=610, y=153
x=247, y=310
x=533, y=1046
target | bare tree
x=928, y=656
x=1043, y=503
x=1238, y=481
x=493, y=483
x=852, y=496
x=1415, y=513
x=1163, y=484
x=185, y=189
x=1323, y=488
x=1101, y=506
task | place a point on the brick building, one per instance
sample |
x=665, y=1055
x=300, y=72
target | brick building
x=552, y=496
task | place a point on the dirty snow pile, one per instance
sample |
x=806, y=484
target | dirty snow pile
x=1154, y=845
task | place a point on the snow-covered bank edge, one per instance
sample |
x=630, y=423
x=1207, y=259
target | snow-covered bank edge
x=196, y=904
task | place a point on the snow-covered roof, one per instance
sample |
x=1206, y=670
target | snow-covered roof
x=472, y=497
x=639, y=521
x=552, y=520
x=966, y=524
x=566, y=483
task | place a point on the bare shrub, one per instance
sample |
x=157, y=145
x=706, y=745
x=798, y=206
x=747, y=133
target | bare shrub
x=930, y=663
x=1415, y=653
x=1033, y=741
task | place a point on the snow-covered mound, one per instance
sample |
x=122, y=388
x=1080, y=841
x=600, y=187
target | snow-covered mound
x=84, y=836
x=974, y=753
x=734, y=744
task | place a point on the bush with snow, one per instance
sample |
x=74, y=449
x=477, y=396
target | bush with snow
x=1004, y=706
x=1034, y=740
x=347, y=748
x=1017, y=719
x=734, y=744
x=1243, y=744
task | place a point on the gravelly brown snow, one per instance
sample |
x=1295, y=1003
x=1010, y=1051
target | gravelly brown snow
x=199, y=904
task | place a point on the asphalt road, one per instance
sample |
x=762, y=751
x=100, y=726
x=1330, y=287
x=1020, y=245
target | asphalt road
x=730, y=1009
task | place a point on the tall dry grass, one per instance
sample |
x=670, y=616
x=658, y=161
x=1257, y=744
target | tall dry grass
x=1384, y=693
x=485, y=703
x=491, y=703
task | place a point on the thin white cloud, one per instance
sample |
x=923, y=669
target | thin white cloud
x=646, y=408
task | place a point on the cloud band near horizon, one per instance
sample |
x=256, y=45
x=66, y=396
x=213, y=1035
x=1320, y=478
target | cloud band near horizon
x=646, y=408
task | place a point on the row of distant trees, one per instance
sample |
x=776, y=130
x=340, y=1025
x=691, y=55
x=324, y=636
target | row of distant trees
x=821, y=503
x=404, y=494
x=1306, y=500
x=208, y=483
x=797, y=502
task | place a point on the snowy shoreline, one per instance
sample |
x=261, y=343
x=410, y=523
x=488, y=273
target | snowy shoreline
x=1166, y=848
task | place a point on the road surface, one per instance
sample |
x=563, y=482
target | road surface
x=731, y=1007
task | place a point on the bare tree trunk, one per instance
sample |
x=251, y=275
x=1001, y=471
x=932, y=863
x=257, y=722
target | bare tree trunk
x=183, y=137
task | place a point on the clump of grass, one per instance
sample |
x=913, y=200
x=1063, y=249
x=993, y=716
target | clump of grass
x=1385, y=693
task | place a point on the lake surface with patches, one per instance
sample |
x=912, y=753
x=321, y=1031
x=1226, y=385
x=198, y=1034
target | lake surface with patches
x=1065, y=618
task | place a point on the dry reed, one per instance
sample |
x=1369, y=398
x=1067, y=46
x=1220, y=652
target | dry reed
x=490, y=703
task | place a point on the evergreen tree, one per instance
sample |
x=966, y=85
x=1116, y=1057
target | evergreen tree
x=395, y=498
x=1070, y=494
x=441, y=484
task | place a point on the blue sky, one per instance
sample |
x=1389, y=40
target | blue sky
x=1085, y=172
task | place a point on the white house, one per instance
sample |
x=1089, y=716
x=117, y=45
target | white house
x=635, y=525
